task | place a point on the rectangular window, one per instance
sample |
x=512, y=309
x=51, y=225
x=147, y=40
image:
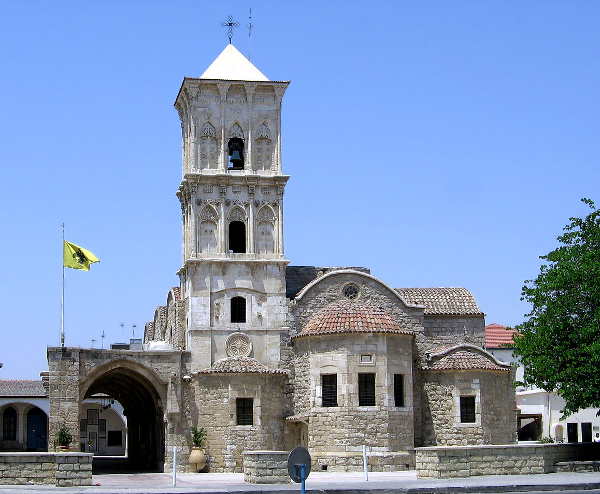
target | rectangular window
x=366, y=390
x=329, y=390
x=586, y=432
x=244, y=411
x=572, y=435
x=398, y=390
x=467, y=409
x=115, y=438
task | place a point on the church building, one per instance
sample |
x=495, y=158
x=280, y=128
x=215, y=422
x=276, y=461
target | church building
x=266, y=355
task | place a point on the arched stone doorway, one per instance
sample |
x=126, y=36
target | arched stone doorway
x=143, y=407
x=37, y=430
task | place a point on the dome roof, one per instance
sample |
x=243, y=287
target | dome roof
x=346, y=316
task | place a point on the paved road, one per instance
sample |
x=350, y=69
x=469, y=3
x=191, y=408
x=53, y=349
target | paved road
x=326, y=483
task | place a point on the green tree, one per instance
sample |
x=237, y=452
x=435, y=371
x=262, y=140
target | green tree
x=559, y=344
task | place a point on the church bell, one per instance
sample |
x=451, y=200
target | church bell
x=236, y=159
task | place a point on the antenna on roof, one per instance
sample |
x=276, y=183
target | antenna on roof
x=230, y=23
x=250, y=26
x=103, y=336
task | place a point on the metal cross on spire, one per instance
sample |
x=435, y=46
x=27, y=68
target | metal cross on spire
x=230, y=23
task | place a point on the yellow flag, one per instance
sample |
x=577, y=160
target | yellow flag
x=77, y=257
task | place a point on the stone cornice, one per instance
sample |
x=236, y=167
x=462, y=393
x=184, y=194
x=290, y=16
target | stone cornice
x=230, y=179
x=281, y=86
x=247, y=258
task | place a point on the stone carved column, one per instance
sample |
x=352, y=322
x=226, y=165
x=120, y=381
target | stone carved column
x=223, y=87
x=223, y=229
x=251, y=228
x=250, y=89
x=280, y=224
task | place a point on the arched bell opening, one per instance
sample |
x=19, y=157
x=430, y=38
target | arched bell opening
x=143, y=409
x=237, y=237
x=235, y=150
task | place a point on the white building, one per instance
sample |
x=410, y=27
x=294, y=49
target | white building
x=540, y=411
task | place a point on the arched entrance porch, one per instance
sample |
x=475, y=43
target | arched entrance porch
x=138, y=391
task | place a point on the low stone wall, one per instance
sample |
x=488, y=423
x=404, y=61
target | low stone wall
x=439, y=462
x=266, y=467
x=60, y=469
x=352, y=461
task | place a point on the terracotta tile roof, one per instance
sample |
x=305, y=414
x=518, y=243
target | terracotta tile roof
x=464, y=357
x=442, y=301
x=21, y=387
x=346, y=316
x=498, y=336
x=240, y=365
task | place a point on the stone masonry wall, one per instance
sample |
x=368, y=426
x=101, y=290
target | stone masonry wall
x=60, y=469
x=266, y=467
x=215, y=406
x=494, y=408
x=505, y=459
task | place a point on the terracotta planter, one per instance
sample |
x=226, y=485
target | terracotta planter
x=197, y=458
x=64, y=449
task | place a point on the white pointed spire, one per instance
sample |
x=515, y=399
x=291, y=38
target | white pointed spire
x=233, y=66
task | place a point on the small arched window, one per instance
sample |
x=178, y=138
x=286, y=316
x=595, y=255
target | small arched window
x=238, y=309
x=9, y=424
x=235, y=149
x=237, y=237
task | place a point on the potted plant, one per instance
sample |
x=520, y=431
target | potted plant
x=64, y=438
x=198, y=456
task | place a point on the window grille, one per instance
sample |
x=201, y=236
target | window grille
x=398, y=390
x=238, y=309
x=467, y=409
x=92, y=416
x=329, y=390
x=245, y=411
x=366, y=390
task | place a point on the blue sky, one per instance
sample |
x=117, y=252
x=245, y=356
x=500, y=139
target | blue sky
x=438, y=143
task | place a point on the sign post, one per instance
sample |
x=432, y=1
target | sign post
x=299, y=463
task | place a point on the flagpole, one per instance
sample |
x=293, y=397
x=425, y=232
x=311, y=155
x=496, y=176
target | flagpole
x=62, y=297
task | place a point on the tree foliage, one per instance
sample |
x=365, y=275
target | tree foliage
x=559, y=344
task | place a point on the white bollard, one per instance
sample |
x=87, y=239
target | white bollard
x=174, y=466
x=365, y=465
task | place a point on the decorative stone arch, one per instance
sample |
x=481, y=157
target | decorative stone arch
x=395, y=295
x=266, y=228
x=157, y=383
x=207, y=147
x=236, y=131
x=208, y=230
x=263, y=148
x=236, y=94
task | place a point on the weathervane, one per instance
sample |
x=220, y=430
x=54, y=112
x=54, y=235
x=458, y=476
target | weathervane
x=230, y=24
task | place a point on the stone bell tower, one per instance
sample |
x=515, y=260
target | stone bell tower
x=231, y=194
